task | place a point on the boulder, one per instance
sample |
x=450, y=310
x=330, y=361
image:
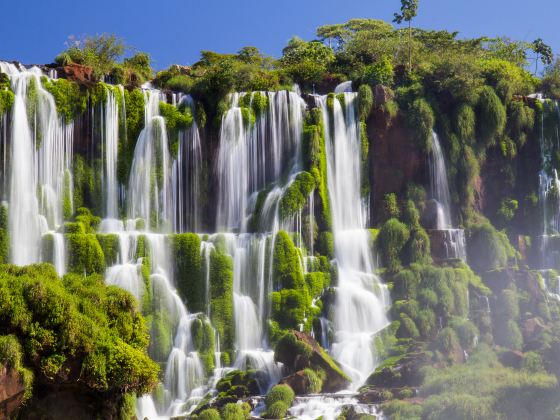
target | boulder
x=298, y=381
x=297, y=351
x=512, y=358
x=403, y=371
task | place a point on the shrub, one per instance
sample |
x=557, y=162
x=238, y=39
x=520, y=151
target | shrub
x=315, y=382
x=420, y=119
x=282, y=393
x=447, y=341
x=365, y=101
x=485, y=249
x=278, y=410
x=393, y=235
x=418, y=247
x=379, y=73
x=491, y=116
x=209, y=414
x=233, y=411
x=465, y=123
x=391, y=206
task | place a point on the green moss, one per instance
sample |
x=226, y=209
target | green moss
x=316, y=282
x=70, y=101
x=288, y=307
x=325, y=244
x=188, y=270
x=6, y=100
x=295, y=196
x=392, y=238
x=316, y=162
x=203, y=341
x=249, y=117
x=365, y=101
x=287, y=273
x=233, y=411
x=85, y=254
x=77, y=321
x=11, y=357
x=277, y=410
x=209, y=414
x=110, y=246
x=491, y=116
x=420, y=119
x=418, y=247
x=486, y=248
x=221, y=298
x=134, y=106
x=280, y=393
x=4, y=234
x=464, y=121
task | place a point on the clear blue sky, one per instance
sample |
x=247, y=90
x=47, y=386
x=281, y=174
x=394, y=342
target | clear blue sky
x=174, y=31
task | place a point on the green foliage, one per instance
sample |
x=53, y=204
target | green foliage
x=295, y=196
x=491, y=116
x=209, y=414
x=277, y=410
x=507, y=210
x=6, y=94
x=483, y=389
x=418, y=247
x=402, y=410
x=447, y=341
x=366, y=100
x=4, y=235
x=391, y=206
x=306, y=62
x=380, y=72
x=287, y=272
x=233, y=411
x=188, y=270
x=315, y=382
x=464, y=121
x=420, y=119
x=221, y=298
x=98, y=52
x=487, y=249
x=281, y=393
x=316, y=162
x=393, y=236
x=84, y=253
x=80, y=323
x=289, y=349
x=70, y=100
x=11, y=357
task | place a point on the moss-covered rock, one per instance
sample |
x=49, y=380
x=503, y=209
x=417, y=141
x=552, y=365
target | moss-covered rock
x=295, y=196
x=188, y=270
x=221, y=298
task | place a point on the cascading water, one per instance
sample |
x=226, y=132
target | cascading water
x=439, y=184
x=252, y=156
x=149, y=187
x=40, y=174
x=186, y=176
x=111, y=149
x=453, y=239
x=361, y=299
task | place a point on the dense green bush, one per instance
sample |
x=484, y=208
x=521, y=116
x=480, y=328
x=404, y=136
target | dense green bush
x=76, y=329
x=485, y=248
x=188, y=270
x=420, y=119
x=491, y=116
x=279, y=393
x=464, y=120
x=393, y=236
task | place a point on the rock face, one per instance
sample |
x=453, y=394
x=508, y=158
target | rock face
x=11, y=392
x=298, y=351
x=83, y=75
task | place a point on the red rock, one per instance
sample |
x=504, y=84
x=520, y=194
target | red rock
x=11, y=392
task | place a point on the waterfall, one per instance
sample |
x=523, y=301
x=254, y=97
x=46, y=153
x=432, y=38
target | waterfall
x=361, y=299
x=439, y=184
x=149, y=187
x=453, y=240
x=186, y=176
x=40, y=169
x=110, y=143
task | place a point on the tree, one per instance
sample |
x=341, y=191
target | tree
x=543, y=51
x=409, y=10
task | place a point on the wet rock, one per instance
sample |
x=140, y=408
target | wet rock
x=403, y=371
x=298, y=381
x=11, y=392
x=297, y=351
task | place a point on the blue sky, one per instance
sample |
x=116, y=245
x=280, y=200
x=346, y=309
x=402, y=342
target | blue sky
x=174, y=31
